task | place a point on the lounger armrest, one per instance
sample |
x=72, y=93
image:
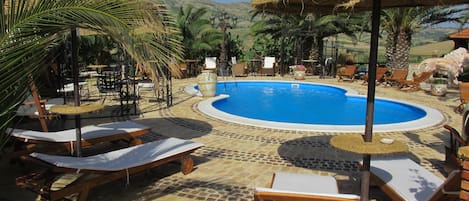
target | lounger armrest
x=455, y=139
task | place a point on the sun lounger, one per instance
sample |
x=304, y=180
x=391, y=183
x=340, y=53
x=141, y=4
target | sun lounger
x=103, y=168
x=414, y=84
x=90, y=134
x=347, y=72
x=403, y=179
x=398, y=75
x=292, y=186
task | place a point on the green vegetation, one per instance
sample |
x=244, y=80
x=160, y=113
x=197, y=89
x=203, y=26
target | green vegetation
x=358, y=45
x=32, y=34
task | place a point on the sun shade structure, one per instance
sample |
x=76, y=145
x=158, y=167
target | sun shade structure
x=350, y=6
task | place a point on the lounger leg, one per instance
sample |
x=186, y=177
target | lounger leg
x=186, y=164
x=83, y=194
x=135, y=141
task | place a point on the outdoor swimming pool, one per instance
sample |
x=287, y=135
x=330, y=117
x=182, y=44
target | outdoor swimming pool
x=311, y=107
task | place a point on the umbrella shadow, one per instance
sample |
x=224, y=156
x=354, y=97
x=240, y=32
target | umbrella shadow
x=315, y=152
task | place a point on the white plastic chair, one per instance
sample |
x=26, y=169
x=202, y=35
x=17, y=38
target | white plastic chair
x=210, y=63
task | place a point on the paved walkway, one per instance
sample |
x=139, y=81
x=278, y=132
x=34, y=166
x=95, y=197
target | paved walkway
x=237, y=158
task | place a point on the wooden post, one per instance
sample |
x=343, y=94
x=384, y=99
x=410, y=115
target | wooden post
x=41, y=111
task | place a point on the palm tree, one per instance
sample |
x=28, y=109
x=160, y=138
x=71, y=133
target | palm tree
x=311, y=29
x=401, y=23
x=199, y=36
x=31, y=31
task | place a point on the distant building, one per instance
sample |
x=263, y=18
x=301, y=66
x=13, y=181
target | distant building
x=460, y=38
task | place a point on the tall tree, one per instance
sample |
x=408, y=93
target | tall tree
x=199, y=36
x=31, y=31
x=401, y=23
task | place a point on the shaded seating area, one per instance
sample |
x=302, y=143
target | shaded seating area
x=403, y=179
x=293, y=186
x=347, y=73
x=109, y=83
x=122, y=130
x=103, y=168
x=414, y=84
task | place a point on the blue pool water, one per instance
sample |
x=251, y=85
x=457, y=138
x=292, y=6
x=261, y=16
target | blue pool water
x=307, y=104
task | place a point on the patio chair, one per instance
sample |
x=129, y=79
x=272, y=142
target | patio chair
x=268, y=68
x=403, y=179
x=103, y=168
x=456, y=140
x=121, y=130
x=414, y=84
x=347, y=72
x=109, y=83
x=463, y=96
x=210, y=64
x=380, y=71
x=240, y=69
x=397, y=76
x=292, y=186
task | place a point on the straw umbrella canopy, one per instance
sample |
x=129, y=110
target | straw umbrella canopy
x=333, y=6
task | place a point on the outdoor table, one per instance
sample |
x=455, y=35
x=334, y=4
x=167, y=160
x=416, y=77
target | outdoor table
x=75, y=110
x=355, y=143
x=98, y=68
x=192, y=67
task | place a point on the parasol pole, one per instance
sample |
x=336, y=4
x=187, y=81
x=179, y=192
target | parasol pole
x=76, y=90
x=370, y=100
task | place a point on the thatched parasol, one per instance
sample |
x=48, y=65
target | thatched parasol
x=334, y=6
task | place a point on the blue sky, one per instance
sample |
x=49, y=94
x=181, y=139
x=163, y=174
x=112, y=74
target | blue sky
x=226, y=1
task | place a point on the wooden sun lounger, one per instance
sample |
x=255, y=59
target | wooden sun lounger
x=122, y=130
x=292, y=186
x=414, y=84
x=403, y=179
x=347, y=72
x=103, y=168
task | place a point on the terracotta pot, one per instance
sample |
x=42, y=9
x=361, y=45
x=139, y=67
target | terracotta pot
x=207, y=82
x=299, y=75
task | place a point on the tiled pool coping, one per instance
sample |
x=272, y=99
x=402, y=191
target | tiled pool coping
x=432, y=118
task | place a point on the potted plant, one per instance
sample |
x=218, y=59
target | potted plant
x=299, y=72
x=439, y=83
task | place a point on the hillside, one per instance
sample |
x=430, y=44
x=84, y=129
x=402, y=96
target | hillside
x=421, y=40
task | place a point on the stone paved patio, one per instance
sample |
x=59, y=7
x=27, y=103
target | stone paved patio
x=237, y=158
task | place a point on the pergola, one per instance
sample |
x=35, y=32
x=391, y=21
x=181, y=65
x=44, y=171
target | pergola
x=461, y=38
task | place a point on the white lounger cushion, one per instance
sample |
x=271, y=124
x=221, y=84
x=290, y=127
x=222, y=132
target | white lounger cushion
x=269, y=62
x=410, y=180
x=87, y=132
x=338, y=195
x=123, y=158
x=306, y=184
